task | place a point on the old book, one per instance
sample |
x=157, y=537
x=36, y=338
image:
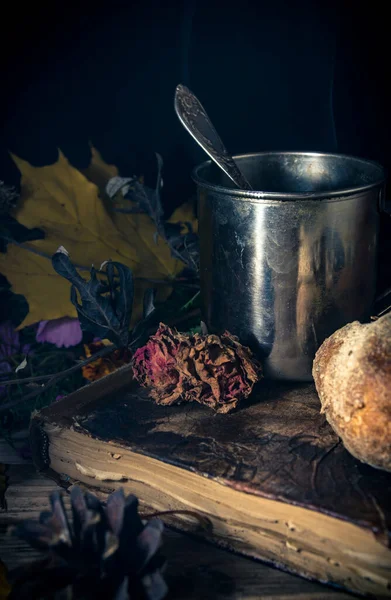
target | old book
x=272, y=480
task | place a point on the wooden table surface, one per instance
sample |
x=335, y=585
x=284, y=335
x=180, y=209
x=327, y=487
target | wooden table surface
x=195, y=570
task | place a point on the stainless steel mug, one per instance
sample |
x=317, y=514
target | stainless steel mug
x=285, y=266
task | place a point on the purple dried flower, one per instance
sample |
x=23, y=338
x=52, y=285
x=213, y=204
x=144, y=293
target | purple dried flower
x=63, y=332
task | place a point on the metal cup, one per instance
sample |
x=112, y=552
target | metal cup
x=285, y=267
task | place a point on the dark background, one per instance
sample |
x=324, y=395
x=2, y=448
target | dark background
x=300, y=75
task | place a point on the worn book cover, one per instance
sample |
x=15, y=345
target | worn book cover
x=271, y=480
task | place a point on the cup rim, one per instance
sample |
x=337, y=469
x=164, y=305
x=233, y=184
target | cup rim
x=265, y=195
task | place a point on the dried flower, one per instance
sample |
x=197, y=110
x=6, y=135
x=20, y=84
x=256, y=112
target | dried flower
x=155, y=365
x=104, y=365
x=213, y=370
x=63, y=332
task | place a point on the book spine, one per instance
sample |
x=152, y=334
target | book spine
x=40, y=450
x=39, y=443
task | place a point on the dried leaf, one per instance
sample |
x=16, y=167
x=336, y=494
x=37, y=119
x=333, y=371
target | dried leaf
x=22, y=365
x=149, y=199
x=180, y=233
x=104, y=310
x=70, y=209
x=122, y=292
x=117, y=185
x=149, y=303
x=103, y=366
x=130, y=196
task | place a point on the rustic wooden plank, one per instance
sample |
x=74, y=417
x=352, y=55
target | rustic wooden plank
x=195, y=569
x=9, y=455
x=26, y=496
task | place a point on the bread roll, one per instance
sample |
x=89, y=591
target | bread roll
x=352, y=373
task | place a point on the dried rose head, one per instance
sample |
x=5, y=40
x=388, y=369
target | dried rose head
x=213, y=370
x=155, y=365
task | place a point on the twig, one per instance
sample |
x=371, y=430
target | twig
x=383, y=295
x=381, y=313
x=27, y=379
x=56, y=377
x=49, y=375
x=384, y=311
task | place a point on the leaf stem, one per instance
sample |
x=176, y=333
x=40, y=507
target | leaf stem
x=190, y=302
x=28, y=379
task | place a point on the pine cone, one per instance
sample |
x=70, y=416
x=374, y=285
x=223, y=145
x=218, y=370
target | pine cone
x=109, y=553
x=213, y=370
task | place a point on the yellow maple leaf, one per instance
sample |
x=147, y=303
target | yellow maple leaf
x=98, y=171
x=68, y=206
x=185, y=214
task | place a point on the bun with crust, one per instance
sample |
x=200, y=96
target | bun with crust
x=352, y=373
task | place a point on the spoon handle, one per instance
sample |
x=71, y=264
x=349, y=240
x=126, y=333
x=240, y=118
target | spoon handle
x=193, y=117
